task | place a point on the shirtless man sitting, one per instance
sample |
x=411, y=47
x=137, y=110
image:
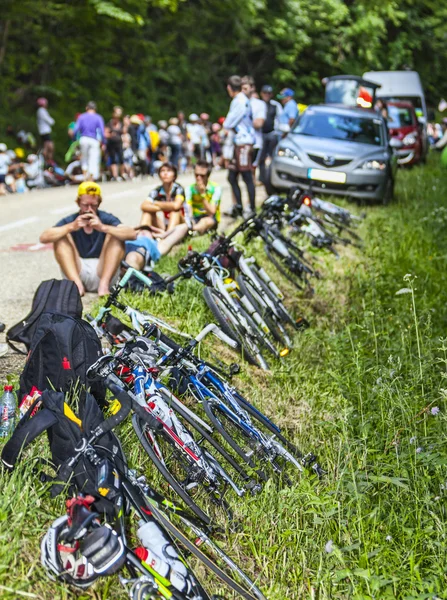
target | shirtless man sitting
x=89, y=244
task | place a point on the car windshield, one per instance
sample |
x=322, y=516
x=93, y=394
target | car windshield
x=341, y=127
x=399, y=116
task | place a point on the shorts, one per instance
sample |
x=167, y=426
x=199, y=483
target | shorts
x=2, y=178
x=46, y=137
x=89, y=274
x=115, y=154
x=147, y=247
x=242, y=159
x=200, y=217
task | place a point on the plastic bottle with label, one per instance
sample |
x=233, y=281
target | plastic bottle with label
x=8, y=411
x=161, y=555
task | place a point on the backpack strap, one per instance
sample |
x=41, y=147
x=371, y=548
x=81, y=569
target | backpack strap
x=24, y=435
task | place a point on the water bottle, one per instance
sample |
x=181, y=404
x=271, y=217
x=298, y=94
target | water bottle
x=8, y=409
x=161, y=555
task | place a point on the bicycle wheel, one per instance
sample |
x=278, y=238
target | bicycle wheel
x=173, y=471
x=256, y=298
x=283, y=312
x=291, y=270
x=229, y=324
x=233, y=433
x=203, y=436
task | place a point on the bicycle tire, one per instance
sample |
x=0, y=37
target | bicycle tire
x=139, y=427
x=284, y=269
x=209, y=438
x=224, y=317
x=217, y=416
x=246, y=287
x=286, y=317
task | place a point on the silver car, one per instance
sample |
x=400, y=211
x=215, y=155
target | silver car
x=337, y=150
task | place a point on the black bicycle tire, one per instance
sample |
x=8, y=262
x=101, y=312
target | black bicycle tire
x=265, y=421
x=208, y=407
x=136, y=422
x=208, y=294
x=269, y=321
x=259, y=335
x=286, y=316
x=209, y=438
x=289, y=275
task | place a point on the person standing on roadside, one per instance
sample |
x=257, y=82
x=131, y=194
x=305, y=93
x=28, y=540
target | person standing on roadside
x=239, y=119
x=269, y=130
x=89, y=244
x=90, y=127
x=259, y=115
x=290, y=107
x=44, y=126
x=175, y=141
x=114, y=144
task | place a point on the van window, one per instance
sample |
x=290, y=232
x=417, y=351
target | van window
x=399, y=116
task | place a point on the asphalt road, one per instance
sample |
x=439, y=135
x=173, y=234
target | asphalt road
x=24, y=263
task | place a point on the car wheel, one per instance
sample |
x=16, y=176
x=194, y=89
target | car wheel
x=389, y=192
x=269, y=188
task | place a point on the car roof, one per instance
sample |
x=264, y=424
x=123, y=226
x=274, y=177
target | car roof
x=348, y=111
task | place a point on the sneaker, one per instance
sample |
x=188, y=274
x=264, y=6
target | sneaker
x=3, y=349
x=2, y=327
x=234, y=213
x=248, y=213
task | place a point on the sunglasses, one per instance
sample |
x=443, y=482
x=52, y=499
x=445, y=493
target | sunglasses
x=83, y=205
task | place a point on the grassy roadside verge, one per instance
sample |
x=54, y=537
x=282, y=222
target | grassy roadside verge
x=360, y=390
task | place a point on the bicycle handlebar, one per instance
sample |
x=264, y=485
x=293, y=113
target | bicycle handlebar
x=213, y=328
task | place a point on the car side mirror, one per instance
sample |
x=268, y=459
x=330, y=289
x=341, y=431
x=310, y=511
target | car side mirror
x=395, y=144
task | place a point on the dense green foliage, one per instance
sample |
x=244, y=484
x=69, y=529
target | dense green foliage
x=158, y=56
x=359, y=389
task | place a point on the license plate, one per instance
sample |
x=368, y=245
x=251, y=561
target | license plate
x=331, y=176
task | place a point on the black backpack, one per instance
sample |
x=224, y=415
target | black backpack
x=62, y=350
x=64, y=428
x=52, y=295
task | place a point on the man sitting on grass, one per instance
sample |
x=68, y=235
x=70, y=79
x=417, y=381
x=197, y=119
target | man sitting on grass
x=89, y=244
x=203, y=200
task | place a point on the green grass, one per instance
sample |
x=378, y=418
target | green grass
x=358, y=390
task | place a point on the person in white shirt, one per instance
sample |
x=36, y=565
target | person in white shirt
x=259, y=114
x=239, y=119
x=44, y=126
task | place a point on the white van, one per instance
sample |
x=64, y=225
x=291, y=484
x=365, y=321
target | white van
x=401, y=85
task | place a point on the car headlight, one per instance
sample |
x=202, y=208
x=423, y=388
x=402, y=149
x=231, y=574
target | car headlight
x=410, y=139
x=289, y=153
x=374, y=165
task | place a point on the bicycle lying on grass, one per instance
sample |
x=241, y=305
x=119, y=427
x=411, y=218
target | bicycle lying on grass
x=158, y=570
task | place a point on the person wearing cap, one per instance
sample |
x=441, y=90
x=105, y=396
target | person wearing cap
x=44, y=124
x=90, y=127
x=239, y=120
x=196, y=131
x=290, y=107
x=5, y=162
x=270, y=135
x=89, y=244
